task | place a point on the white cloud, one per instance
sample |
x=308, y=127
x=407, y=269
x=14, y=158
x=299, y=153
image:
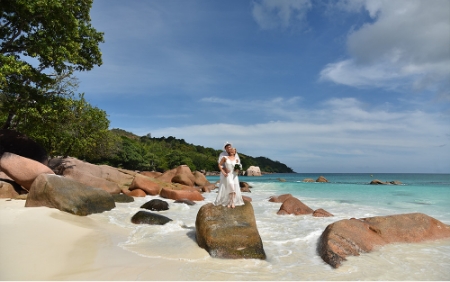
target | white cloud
x=275, y=108
x=273, y=14
x=343, y=135
x=407, y=45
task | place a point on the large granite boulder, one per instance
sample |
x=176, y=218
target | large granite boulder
x=294, y=206
x=168, y=175
x=321, y=179
x=14, y=142
x=89, y=179
x=183, y=179
x=176, y=194
x=151, y=186
x=200, y=179
x=68, y=195
x=22, y=170
x=253, y=171
x=350, y=237
x=183, y=173
x=229, y=233
x=110, y=179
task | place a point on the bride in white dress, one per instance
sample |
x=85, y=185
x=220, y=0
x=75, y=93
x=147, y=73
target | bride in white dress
x=229, y=190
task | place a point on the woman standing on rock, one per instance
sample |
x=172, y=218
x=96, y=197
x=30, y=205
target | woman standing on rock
x=229, y=191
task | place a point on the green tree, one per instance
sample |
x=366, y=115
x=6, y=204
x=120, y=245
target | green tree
x=69, y=127
x=40, y=40
x=131, y=155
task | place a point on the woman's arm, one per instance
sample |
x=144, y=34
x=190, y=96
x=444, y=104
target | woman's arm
x=223, y=170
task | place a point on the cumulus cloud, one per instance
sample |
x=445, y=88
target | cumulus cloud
x=273, y=14
x=344, y=133
x=406, y=45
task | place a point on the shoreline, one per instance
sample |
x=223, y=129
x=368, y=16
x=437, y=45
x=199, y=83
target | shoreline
x=43, y=243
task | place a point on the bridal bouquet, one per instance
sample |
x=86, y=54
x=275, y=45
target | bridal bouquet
x=237, y=167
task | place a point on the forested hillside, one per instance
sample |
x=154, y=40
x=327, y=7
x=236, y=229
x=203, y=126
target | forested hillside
x=160, y=154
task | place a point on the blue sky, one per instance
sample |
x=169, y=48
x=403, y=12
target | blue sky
x=322, y=86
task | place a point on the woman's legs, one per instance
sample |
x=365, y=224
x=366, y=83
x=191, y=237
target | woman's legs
x=232, y=199
x=232, y=196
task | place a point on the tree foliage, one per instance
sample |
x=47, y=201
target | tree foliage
x=40, y=41
x=161, y=154
x=66, y=126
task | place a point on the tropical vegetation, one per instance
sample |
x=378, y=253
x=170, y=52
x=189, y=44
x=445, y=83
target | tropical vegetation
x=163, y=153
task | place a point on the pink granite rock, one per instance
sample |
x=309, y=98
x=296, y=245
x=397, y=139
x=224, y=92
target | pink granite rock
x=294, y=206
x=22, y=170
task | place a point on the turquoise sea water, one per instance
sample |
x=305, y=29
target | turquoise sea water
x=427, y=193
x=290, y=241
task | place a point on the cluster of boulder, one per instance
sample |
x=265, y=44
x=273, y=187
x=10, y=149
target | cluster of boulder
x=70, y=178
x=319, y=179
x=145, y=217
x=292, y=205
x=351, y=237
x=379, y=182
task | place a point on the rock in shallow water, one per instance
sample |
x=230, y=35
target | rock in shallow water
x=294, y=206
x=229, y=233
x=354, y=236
x=156, y=205
x=145, y=217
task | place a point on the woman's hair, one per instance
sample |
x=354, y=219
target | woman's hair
x=233, y=151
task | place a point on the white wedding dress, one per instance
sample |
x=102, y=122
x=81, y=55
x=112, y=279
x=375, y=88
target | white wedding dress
x=228, y=185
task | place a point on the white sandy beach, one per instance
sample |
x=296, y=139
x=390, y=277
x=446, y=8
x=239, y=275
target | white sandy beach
x=48, y=244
